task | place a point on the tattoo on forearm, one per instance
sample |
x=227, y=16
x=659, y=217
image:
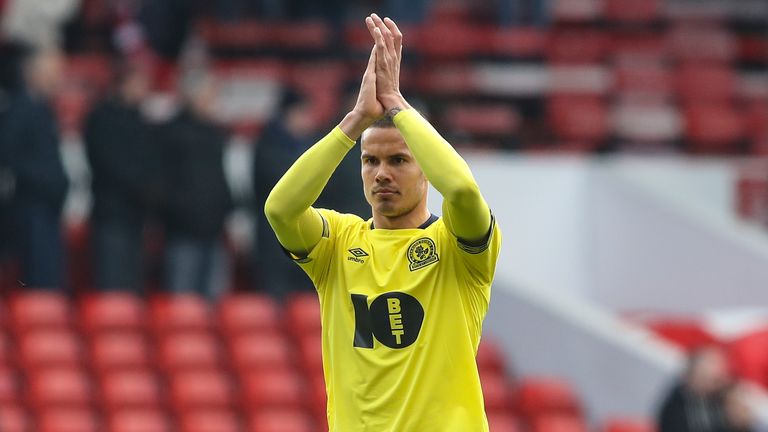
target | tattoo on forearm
x=391, y=113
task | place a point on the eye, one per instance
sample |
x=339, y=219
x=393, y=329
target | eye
x=398, y=160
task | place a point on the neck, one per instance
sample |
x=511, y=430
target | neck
x=412, y=219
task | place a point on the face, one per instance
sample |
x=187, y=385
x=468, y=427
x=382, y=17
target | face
x=136, y=86
x=711, y=372
x=393, y=182
x=205, y=97
x=46, y=72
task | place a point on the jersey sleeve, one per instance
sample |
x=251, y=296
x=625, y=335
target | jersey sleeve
x=480, y=258
x=318, y=262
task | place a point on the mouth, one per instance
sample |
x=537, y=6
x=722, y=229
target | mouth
x=385, y=192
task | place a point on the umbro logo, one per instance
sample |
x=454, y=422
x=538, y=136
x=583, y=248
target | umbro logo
x=357, y=255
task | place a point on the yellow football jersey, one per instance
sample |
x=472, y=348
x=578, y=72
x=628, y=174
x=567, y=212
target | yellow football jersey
x=402, y=312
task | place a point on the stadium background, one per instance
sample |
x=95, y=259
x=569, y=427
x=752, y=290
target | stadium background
x=619, y=142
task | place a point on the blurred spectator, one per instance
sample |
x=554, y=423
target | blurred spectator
x=123, y=163
x=30, y=139
x=37, y=23
x=737, y=412
x=167, y=23
x=695, y=404
x=197, y=199
x=285, y=137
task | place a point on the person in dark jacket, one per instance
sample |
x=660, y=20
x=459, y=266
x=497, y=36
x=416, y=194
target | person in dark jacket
x=122, y=159
x=197, y=197
x=30, y=138
x=696, y=402
x=285, y=137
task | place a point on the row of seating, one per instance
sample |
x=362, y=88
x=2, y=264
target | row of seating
x=113, y=361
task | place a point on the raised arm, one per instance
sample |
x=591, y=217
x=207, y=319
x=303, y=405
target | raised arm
x=464, y=209
x=288, y=208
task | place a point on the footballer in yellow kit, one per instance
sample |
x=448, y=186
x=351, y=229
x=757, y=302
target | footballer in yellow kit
x=402, y=294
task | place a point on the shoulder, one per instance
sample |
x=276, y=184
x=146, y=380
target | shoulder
x=341, y=220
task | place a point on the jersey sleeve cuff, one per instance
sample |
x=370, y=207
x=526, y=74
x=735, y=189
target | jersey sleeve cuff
x=480, y=246
x=342, y=137
x=307, y=258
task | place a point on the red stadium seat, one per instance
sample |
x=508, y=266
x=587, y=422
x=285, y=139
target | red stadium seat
x=39, y=308
x=130, y=389
x=305, y=35
x=629, y=425
x=749, y=357
x=638, y=48
x=502, y=421
x=631, y=11
x=180, y=312
x=273, y=389
x=697, y=83
x=9, y=386
x=578, y=118
x=577, y=46
x=59, y=386
x=14, y=418
x=240, y=313
x=496, y=119
x=545, y=396
x=311, y=353
x=511, y=41
x=119, y=350
x=209, y=421
x=497, y=393
x=442, y=40
x=189, y=351
x=558, y=423
x=67, y=420
x=196, y=390
x=489, y=356
x=702, y=43
x=280, y=420
x=302, y=314
x=5, y=348
x=142, y=420
x=687, y=334
x=319, y=396
x=112, y=311
x=41, y=348
x=757, y=120
x=260, y=351
x=714, y=128
x=643, y=80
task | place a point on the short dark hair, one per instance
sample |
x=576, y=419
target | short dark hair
x=383, y=123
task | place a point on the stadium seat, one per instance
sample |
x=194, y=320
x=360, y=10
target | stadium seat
x=687, y=334
x=191, y=391
x=14, y=418
x=67, y=420
x=629, y=425
x=302, y=314
x=638, y=48
x=714, y=128
x=489, y=356
x=503, y=421
x=632, y=11
x=701, y=43
x=111, y=311
x=558, y=423
x=497, y=394
x=319, y=396
x=239, y=313
x=511, y=42
x=39, y=308
x=9, y=386
x=537, y=396
x=119, y=350
x=710, y=83
x=495, y=119
x=180, y=312
x=44, y=347
x=138, y=420
x=260, y=351
x=280, y=420
x=281, y=388
x=310, y=353
x=130, y=389
x=5, y=348
x=575, y=11
x=757, y=120
x=208, y=420
x=648, y=80
x=304, y=36
x=189, y=351
x=578, y=118
x=445, y=40
x=749, y=357
x=577, y=46
x=646, y=122
x=59, y=386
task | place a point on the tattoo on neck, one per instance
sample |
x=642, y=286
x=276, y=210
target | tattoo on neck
x=391, y=113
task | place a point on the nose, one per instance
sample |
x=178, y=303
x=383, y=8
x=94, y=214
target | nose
x=383, y=174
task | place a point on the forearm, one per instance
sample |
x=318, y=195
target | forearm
x=288, y=206
x=465, y=209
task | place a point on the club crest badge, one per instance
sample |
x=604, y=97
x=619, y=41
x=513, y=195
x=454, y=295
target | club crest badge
x=422, y=253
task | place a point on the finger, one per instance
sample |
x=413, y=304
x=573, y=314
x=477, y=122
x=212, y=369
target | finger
x=371, y=67
x=388, y=36
x=371, y=26
x=396, y=34
x=381, y=48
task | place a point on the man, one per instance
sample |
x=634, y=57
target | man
x=31, y=142
x=403, y=295
x=696, y=403
x=123, y=163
